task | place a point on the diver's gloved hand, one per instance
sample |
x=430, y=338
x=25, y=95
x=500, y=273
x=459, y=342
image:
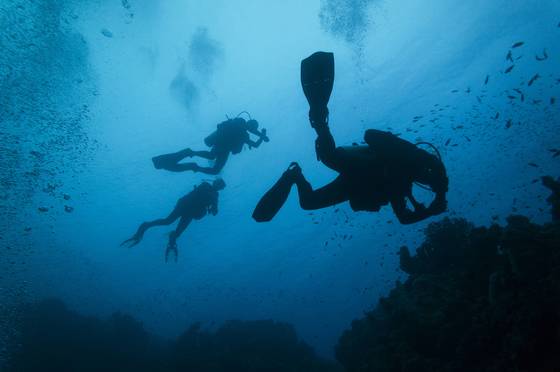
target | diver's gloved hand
x=318, y=116
x=264, y=136
x=171, y=247
x=439, y=205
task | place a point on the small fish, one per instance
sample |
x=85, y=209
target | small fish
x=454, y=91
x=552, y=100
x=467, y=138
x=497, y=116
x=107, y=33
x=512, y=97
x=487, y=79
x=533, y=165
x=43, y=209
x=508, y=124
x=518, y=91
x=545, y=56
x=522, y=97
x=508, y=70
x=468, y=90
x=509, y=57
x=533, y=79
x=447, y=142
x=536, y=101
x=518, y=44
x=555, y=152
x=478, y=99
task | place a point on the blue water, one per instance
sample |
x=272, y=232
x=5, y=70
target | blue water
x=90, y=91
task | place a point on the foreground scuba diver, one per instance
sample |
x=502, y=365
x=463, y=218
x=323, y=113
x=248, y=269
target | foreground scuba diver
x=370, y=176
x=194, y=205
x=230, y=137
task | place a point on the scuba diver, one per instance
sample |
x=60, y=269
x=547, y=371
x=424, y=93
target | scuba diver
x=229, y=137
x=370, y=176
x=203, y=199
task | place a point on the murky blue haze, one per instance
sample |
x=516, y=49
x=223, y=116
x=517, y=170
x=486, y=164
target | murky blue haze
x=91, y=90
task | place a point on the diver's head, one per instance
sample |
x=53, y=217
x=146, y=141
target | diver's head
x=252, y=124
x=433, y=174
x=218, y=184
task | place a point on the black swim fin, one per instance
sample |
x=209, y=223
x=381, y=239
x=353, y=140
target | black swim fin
x=274, y=199
x=317, y=78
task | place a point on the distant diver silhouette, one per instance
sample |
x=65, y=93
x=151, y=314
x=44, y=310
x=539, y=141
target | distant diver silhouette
x=370, y=176
x=193, y=206
x=229, y=137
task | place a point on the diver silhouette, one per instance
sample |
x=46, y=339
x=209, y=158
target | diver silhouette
x=229, y=137
x=193, y=206
x=370, y=176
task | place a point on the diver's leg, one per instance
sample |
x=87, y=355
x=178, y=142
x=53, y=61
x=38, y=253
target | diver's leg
x=326, y=196
x=325, y=147
x=159, y=222
x=139, y=234
x=172, y=245
x=210, y=155
x=181, y=226
x=219, y=163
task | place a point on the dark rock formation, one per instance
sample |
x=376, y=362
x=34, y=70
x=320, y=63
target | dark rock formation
x=52, y=338
x=476, y=299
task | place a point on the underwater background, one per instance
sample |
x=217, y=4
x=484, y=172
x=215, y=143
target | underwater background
x=91, y=90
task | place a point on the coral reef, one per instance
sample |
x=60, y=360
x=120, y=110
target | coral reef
x=53, y=338
x=476, y=299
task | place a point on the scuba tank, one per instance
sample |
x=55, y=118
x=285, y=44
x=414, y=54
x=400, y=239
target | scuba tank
x=228, y=129
x=210, y=140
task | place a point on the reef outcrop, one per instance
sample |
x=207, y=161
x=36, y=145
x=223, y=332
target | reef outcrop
x=53, y=338
x=476, y=299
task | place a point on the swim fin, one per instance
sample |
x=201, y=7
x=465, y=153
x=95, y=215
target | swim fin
x=167, y=160
x=317, y=78
x=274, y=199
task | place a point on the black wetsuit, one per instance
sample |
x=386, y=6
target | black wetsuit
x=198, y=202
x=229, y=137
x=193, y=206
x=368, y=177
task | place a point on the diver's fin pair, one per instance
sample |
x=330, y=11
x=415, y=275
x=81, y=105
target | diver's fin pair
x=168, y=160
x=271, y=202
x=317, y=78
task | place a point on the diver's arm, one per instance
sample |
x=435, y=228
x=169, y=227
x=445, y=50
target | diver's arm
x=261, y=134
x=439, y=205
x=213, y=207
x=405, y=215
x=254, y=144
